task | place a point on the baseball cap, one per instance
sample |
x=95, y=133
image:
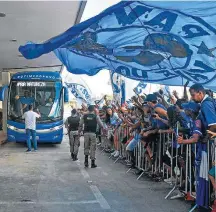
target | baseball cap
x=150, y=98
x=193, y=106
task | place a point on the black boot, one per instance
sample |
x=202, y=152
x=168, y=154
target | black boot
x=93, y=165
x=75, y=158
x=72, y=155
x=86, y=161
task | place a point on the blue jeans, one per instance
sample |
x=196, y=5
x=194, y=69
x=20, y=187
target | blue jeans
x=133, y=143
x=32, y=133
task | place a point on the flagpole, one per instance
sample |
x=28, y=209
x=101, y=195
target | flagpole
x=150, y=88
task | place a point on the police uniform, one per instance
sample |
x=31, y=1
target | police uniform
x=74, y=140
x=90, y=122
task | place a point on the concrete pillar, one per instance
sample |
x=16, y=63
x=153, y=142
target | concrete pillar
x=5, y=81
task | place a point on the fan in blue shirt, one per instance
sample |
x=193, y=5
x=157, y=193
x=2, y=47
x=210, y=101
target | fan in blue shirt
x=208, y=108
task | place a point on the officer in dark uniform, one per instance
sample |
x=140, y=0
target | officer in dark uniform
x=72, y=124
x=90, y=121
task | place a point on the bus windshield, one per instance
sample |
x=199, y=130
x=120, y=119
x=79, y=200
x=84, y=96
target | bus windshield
x=45, y=96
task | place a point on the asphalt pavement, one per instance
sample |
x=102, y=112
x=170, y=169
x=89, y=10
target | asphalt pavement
x=49, y=181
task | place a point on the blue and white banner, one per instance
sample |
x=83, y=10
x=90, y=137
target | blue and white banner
x=118, y=86
x=79, y=91
x=152, y=41
x=139, y=89
x=100, y=102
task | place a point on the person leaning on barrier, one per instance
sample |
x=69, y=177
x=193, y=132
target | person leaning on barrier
x=157, y=108
x=90, y=121
x=208, y=108
x=159, y=114
x=72, y=125
x=179, y=123
x=113, y=120
x=134, y=126
x=148, y=132
x=192, y=111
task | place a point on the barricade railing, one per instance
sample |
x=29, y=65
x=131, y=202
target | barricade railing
x=181, y=161
x=105, y=140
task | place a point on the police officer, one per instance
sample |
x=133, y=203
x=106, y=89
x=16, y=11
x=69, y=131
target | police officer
x=90, y=121
x=72, y=124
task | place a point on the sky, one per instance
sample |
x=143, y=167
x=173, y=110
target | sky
x=98, y=84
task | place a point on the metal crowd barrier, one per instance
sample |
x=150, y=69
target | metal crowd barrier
x=183, y=173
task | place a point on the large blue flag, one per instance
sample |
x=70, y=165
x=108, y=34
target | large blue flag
x=160, y=42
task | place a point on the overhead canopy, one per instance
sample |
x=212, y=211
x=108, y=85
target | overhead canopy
x=160, y=42
x=21, y=21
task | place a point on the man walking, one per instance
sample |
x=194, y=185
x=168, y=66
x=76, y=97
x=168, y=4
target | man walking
x=72, y=124
x=30, y=126
x=90, y=121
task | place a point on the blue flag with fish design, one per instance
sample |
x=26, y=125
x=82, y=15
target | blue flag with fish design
x=166, y=42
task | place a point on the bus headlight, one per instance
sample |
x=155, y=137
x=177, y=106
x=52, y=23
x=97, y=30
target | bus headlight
x=56, y=128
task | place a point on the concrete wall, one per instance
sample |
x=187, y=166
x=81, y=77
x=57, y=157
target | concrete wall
x=5, y=81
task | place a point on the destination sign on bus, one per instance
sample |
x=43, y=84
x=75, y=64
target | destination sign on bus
x=31, y=84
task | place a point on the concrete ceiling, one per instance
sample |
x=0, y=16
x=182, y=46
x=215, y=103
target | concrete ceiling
x=37, y=22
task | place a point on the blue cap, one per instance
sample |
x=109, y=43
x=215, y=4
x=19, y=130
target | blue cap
x=150, y=98
x=193, y=106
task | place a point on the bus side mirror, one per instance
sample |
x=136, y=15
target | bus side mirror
x=2, y=92
x=66, y=94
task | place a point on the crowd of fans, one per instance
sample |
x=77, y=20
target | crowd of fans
x=144, y=118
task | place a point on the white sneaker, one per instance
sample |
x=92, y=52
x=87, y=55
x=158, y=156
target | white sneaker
x=112, y=154
x=170, y=180
x=116, y=154
x=179, y=195
x=177, y=171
